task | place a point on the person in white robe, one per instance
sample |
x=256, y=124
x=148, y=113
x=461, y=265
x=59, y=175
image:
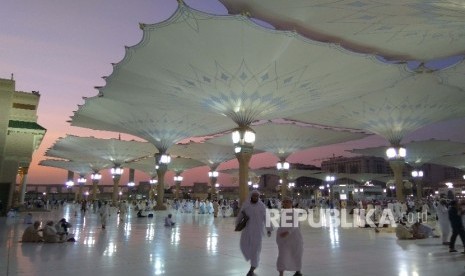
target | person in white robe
x=123, y=210
x=50, y=234
x=403, y=232
x=31, y=233
x=443, y=218
x=289, y=240
x=251, y=236
x=104, y=212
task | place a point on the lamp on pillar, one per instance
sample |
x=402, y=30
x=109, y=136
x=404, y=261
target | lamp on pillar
x=283, y=169
x=329, y=182
x=243, y=138
x=95, y=180
x=116, y=173
x=213, y=175
x=153, y=181
x=417, y=176
x=396, y=156
x=131, y=183
x=23, y=171
x=69, y=184
x=161, y=165
x=177, y=181
x=81, y=182
x=291, y=186
x=217, y=187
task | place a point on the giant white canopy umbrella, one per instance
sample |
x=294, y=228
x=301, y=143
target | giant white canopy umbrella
x=419, y=152
x=210, y=154
x=196, y=63
x=456, y=161
x=284, y=139
x=178, y=165
x=400, y=30
x=96, y=163
x=160, y=125
x=91, y=149
x=415, y=101
x=81, y=168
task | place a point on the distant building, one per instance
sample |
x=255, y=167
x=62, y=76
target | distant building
x=434, y=176
x=20, y=136
x=358, y=164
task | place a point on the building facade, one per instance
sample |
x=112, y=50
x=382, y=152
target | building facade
x=20, y=136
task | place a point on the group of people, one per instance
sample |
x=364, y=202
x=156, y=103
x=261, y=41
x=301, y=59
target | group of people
x=288, y=239
x=450, y=216
x=51, y=232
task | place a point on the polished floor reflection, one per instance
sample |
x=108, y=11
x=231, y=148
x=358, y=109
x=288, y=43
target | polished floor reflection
x=202, y=245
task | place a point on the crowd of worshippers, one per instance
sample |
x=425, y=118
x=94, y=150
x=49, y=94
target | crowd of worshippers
x=51, y=232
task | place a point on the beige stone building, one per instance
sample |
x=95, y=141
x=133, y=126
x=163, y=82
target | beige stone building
x=20, y=136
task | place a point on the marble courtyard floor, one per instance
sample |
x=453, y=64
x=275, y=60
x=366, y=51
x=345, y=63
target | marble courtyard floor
x=202, y=245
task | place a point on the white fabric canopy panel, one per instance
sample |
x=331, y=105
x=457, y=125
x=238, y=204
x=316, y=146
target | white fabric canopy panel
x=146, y=165
x=81, y=168
x=210, y=154
x=454, y=75
x=96, y=163
x=419, y=152
x=161, y=127
x=180, y=164
x=231, y=66
x=116, y=151
x=414, y=102
x=286, y=139
x=399, y=30
x=456, y=161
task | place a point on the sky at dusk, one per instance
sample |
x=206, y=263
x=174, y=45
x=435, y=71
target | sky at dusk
x=63, y=49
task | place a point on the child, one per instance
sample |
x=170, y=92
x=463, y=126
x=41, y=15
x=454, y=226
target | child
x=168, y=221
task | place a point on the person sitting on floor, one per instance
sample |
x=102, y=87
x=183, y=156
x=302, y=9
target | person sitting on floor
x=31, y=233
x=421, y=231
x=50, y=233
x=62, y=226
x=139, y=214
x=403, y=232
x=168, y=221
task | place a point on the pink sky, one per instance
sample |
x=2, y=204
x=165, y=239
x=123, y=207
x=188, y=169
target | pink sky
x=63, y=48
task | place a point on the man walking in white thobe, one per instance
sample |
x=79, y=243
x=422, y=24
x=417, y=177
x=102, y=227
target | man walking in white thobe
x=251, y=236
x=442, y=212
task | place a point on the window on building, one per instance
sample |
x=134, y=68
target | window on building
x=24, y=106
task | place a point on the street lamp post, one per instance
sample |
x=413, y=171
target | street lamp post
x=217, y=191
x=396, y=156
x=283, y=169
x=69, y=184
x=81, y=181
x=161, y=164
x=116, y=173
x=177, y=181
x=417, y=176
x=291, y=186
x=131, y=183
x=243, y=138
x=213, y=175
x=95, y=180
x=330, y=180
x=152, y=182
